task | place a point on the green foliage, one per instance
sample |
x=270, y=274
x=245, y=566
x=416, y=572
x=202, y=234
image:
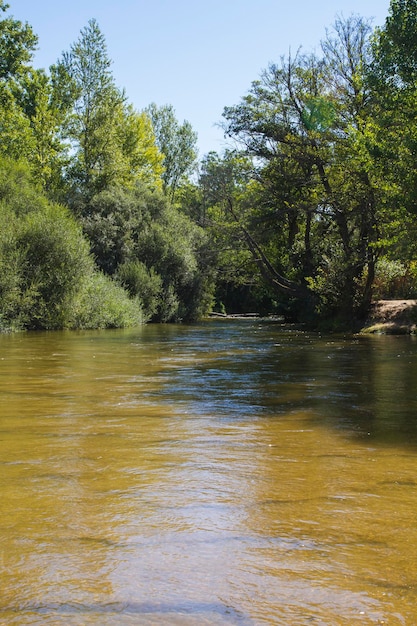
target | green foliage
x=393, y=78
x=47, y=275
x=317, y=220
x=143, y=283
x=47, y=115
x=13, y=303
x=315, y=212
x=17, y=140
x=31, y=115
x=42, y=259
x=17, y=45
x=56, y=257
x=396, y=44
x=101, y=303
x=328, y=283
x=43, y=254
x=17, y=190
x=174, y=247
x=130, y=230
x=112, y=143
x=394, y=279
x=140, y=159
x=225, y=187
x=177, y=143
x=97, y=101
x=110, y=221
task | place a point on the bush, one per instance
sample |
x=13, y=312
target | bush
x=43, y=254
x=12, y=303
x=48, y=279
x=17, y=191
x=56, y=259
x=101, y=303
x=169, y=310
x=152, y=249
x=142, y=283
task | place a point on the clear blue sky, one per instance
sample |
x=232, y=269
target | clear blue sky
x=198, y=55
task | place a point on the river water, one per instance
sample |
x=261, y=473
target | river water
x=231, y=472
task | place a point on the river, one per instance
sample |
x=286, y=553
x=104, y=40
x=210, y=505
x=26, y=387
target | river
x=225, y=473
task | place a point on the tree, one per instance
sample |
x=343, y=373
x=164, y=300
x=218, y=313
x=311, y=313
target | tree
x=47, y=115
x=112, y=143
x=307, y=123
x=178, y=144
x=395, y=45
x=31, y=116
x=17, y=140
x=95, y=104
x=17, y=45
x=393, y=77
x=226, y=189
x=141, y=160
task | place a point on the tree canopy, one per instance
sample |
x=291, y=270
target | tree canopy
x=322, y=212
x=177, y=143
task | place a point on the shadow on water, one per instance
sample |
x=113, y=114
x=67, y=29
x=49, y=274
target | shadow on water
x=364, y=387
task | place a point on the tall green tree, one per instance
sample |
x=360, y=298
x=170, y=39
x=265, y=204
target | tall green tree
x=17, y=45
x=393, y=77
x=307, y=122
x=97, y=100
x=32, y=111
x=140, y=159
x=112, y=143
x=47, y=114
x=178, y=144
x=17, y=140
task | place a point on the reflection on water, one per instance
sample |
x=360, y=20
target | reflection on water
x=224, y=473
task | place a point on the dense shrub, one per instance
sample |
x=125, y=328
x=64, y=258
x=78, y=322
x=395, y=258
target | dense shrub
x=17, y=190
x=14, y=304
x=154, y=250
x=56, y=258
x=43, y=254
x=48, y=279
x=142, y=283
x=101, y=303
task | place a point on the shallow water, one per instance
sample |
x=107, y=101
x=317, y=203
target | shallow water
x=225, y=473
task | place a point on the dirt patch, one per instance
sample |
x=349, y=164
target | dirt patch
x=392, y=317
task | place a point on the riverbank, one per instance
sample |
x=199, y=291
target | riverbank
x=388, y=317
x=392, y=317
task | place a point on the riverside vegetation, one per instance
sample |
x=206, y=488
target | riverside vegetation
x=108, y=218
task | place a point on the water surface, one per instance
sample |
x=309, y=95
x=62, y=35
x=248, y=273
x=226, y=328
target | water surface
x=225, y=473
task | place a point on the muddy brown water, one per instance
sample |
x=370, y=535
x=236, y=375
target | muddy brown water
x=232, y=472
